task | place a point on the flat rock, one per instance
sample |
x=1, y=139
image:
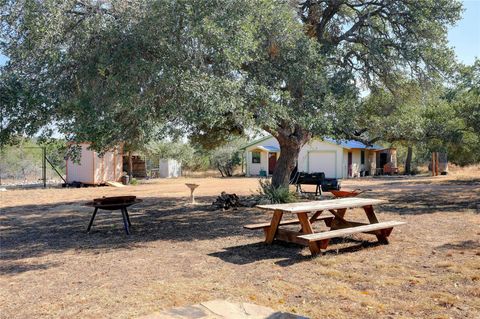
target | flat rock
x=222, y=309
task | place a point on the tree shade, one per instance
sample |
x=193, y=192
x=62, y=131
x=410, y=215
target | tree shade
x=109, y=71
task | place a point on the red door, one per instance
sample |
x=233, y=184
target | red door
x=272, y=162
x=350, y=173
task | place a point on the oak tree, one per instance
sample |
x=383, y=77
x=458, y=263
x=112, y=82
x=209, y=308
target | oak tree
x=109, y=71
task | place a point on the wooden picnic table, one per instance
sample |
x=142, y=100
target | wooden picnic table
x=334, y=220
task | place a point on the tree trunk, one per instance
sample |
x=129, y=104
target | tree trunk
x=408, y=161
x=290, y=145
x=130, y=165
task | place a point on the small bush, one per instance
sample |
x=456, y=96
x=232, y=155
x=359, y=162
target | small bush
x=276, y=195
x=415, y=171
x=134, y=181
x=225, y=159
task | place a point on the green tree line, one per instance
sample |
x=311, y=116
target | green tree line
x=141, y=70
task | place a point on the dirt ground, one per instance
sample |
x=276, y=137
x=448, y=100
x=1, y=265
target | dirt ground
x=179, y=254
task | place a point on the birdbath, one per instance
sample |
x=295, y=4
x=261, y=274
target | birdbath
x=192, y=189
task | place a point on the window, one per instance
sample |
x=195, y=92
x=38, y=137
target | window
x=255, y=157
x=362, y=157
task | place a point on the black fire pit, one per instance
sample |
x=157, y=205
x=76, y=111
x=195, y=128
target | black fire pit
x=113, y=203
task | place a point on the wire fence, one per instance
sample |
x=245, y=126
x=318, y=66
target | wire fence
x=30, y=166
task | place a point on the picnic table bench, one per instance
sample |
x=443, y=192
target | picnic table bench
x=334, y=220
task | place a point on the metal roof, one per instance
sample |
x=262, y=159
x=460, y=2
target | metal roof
x=349, y=144
x=268, y=148
x=257, y=141
x=353, y=144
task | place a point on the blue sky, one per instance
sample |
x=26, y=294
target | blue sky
x=464, y=37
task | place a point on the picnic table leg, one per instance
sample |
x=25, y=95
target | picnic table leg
x=91, y=219
x=339, y=213
x=125, y=222
x=314, y=217
x=272, y=230
x=307, y=229
x=339, y=221
x=372, y=218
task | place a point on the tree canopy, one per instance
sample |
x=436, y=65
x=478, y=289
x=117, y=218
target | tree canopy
x=109, y=71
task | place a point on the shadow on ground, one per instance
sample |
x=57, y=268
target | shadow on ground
x=410, y=199
x=36, y=230
x=463, y=246
x=288, y=254
x=30, y=231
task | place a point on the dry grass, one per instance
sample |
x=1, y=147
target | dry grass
x=179, y=255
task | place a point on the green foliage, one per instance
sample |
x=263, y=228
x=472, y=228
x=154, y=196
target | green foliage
x=138, y=70
x=206, y=58
x=185, y=153
x=428, y=118
x=225, y=158
x=23, y=162
x=134, y=181
x=275, y=194
x=465, y=95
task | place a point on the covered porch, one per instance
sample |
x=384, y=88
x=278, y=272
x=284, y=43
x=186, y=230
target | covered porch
x=261, y=159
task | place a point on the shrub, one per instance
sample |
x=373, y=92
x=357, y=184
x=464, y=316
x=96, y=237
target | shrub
x=133, y=181
x=225, y=158
x=276, y=195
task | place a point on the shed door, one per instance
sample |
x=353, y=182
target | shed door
x=323, y=162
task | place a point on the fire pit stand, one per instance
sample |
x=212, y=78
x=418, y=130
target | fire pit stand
x=114, y=203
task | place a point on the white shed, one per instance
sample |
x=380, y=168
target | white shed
x=169, y=168
x=93, y=169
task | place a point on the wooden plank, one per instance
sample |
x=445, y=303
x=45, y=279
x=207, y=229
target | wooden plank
x=316, y=216
x=262, y=225
x=370, y=214
x=270, y=233
x=305, y=222
x=339, y=213
x=342, y=223
x=307, y=229
x=291, y=236
x=114, y=184
x=351, y=230
x=313, y=206
x=287, y=222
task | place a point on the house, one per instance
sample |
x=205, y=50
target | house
x=94, y=169
x=337, y=159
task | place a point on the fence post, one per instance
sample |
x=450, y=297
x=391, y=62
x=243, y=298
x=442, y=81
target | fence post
x=44, y=166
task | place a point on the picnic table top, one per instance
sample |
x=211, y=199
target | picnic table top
x=350, y=202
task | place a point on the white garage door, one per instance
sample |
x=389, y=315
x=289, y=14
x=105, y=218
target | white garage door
x=322, y=162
